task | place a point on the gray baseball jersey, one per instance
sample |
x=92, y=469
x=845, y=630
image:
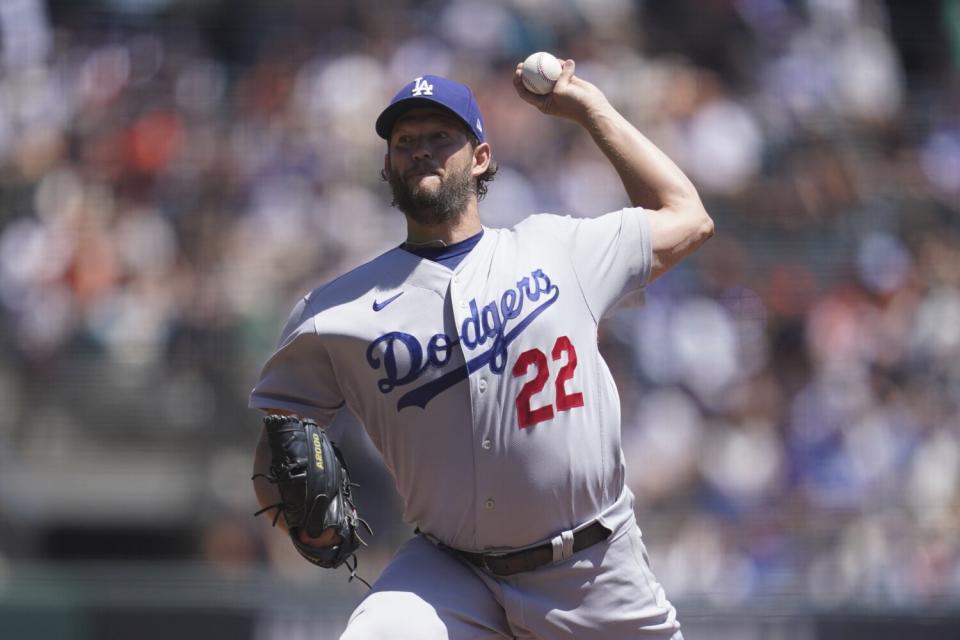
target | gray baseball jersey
x=482, y=387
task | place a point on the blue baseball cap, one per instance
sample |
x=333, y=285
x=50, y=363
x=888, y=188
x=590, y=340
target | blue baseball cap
x=433, y=91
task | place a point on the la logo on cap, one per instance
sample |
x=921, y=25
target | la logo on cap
x=421, y=87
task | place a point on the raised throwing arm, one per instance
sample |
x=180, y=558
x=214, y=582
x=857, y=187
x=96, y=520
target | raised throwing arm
x=678, y=221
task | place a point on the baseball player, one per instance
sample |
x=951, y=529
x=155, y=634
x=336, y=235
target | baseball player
x=470, y=356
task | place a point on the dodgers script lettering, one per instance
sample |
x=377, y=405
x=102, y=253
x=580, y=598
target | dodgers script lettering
x=493, y=325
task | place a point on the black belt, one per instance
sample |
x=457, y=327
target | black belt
x=507, y=564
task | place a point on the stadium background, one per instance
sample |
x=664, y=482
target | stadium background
x=174, y=174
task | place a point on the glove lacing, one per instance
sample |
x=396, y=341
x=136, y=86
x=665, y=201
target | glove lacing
x=279, y=506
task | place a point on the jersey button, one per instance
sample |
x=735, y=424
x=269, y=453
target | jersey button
x=482, y=385
x=489, y=504
x=487, y=445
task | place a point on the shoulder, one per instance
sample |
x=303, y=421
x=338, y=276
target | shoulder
x=541, y=230
x=562, y=225
x=381, y=273
x=543, y=221
x=543, y=225
x=552, y=230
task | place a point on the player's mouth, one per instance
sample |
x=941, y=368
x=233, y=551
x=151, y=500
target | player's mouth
x=419, y=173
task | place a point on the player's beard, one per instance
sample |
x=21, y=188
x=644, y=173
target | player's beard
x=448, y=202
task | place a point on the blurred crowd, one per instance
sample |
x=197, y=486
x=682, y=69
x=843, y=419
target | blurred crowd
x=174, y=175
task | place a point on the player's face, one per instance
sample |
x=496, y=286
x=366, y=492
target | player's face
x=430, y=166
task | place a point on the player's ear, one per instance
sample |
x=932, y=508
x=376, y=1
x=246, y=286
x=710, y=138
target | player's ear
x=482, y=155
x=385, y=174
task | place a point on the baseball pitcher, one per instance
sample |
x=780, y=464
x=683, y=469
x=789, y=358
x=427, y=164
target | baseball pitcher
x=469, y=354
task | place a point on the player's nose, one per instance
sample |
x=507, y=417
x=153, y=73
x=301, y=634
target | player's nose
x=422, y=153
x=421, y=149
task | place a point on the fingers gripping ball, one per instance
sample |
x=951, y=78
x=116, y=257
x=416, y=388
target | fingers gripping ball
x=315, y=489
x=540, y=72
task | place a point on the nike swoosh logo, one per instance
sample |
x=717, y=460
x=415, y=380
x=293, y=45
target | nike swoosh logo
x=377, y=306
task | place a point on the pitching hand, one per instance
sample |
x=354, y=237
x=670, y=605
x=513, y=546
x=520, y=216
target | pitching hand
x=572, y=98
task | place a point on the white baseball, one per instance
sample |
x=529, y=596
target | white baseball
x=540, y=72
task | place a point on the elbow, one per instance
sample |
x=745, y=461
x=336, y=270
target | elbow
x=707, y=228
x=677, y=234
x=699, y=224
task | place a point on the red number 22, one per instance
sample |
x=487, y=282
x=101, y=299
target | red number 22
x=528, y=416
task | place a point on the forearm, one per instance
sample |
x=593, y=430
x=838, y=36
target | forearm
x=651, y=179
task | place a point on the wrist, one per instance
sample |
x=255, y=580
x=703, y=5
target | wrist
x=596, y=113
x=598, y=117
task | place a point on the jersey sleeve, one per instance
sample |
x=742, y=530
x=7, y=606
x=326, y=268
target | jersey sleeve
x=299, y=376
x=612, y=256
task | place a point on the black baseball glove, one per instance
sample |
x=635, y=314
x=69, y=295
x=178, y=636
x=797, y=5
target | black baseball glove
x=315, y=490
